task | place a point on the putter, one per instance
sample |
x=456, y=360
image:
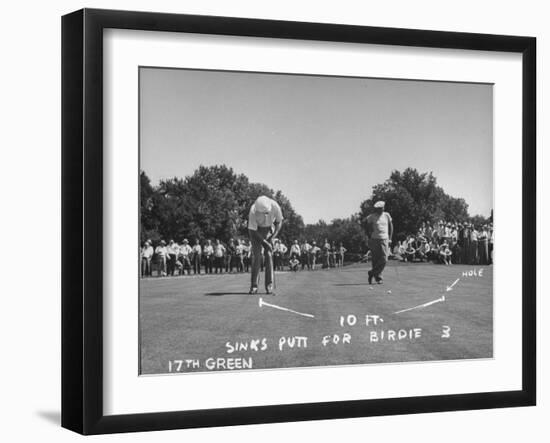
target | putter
x=270, y=238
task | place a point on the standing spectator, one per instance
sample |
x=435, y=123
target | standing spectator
x=457, y=252
x=333, y=253
x=173, y=250
x=277, y=255
x=219, y=254
x=447, y=230
x=435, y=235
x=247, y=251
x=295, y=250
x=441, y=231
x=265, y=220
x=483, y=245
x=454, y=233
x=184, y=257
x=284, y=250
x=161, y=253
x=326, y=254
x=147, y=252
x=208, y=257
x=428, y=232
x=197, y=256
x=422, y=229
x=239, y=250
x=473, y=260
x=230, y=256
x=379, y=232
x=466, y=244
x=314, y=253
x=304, y=255
x=340, y=256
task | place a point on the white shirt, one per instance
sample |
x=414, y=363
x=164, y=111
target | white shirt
x=380, y=225
x=147, y=252
x=266, y=219
x=185, y=250
x=161, y=251
x=219, y=250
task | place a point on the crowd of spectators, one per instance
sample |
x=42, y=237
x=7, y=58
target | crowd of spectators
x=216, y=257
x=448, y=243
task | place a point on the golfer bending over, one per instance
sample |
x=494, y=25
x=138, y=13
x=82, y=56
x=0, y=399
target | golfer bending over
x=379, y=231
x=264, y=223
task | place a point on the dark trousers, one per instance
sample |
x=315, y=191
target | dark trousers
x=473, y=259
x=171, y=264
x=379, y=250
x=145, y=267
x=277, y=261
x=197, y=263
x=305, y=260
x=161, y=262
x=465, y=259
x=218, y=264
x=483, y=252
x=185, y=264
x=209, y=264
x=257, y=259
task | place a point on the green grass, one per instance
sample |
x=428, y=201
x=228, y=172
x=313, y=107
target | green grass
x=193, y=317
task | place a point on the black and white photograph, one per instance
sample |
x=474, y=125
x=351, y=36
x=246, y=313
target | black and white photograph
x=298, y=221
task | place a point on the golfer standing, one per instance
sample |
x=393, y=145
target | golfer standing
x=379, y=231
x=264, y=223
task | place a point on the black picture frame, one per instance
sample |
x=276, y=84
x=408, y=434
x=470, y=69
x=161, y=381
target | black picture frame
x=82, y=218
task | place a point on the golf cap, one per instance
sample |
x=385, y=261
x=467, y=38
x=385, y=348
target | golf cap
x=379, y=204
x=185, y=240
x=263, y=204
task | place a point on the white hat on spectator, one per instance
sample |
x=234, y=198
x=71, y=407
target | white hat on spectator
x=379, y=204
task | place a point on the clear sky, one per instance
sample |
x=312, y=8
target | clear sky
x=323, y=141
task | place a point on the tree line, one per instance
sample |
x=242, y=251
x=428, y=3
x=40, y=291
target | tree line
x=214, y=203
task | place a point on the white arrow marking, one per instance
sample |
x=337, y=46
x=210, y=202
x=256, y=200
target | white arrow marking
x=442, y=298
x=263, y=303
x=450, y=288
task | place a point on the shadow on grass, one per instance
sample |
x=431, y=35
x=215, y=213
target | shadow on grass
x=219, y=294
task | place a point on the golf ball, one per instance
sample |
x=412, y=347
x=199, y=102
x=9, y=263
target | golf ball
x=389, y=291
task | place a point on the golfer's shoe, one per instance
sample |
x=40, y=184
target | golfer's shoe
x=370, y=277
x=253, y=291
x=269, y=290
x=380, y=281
